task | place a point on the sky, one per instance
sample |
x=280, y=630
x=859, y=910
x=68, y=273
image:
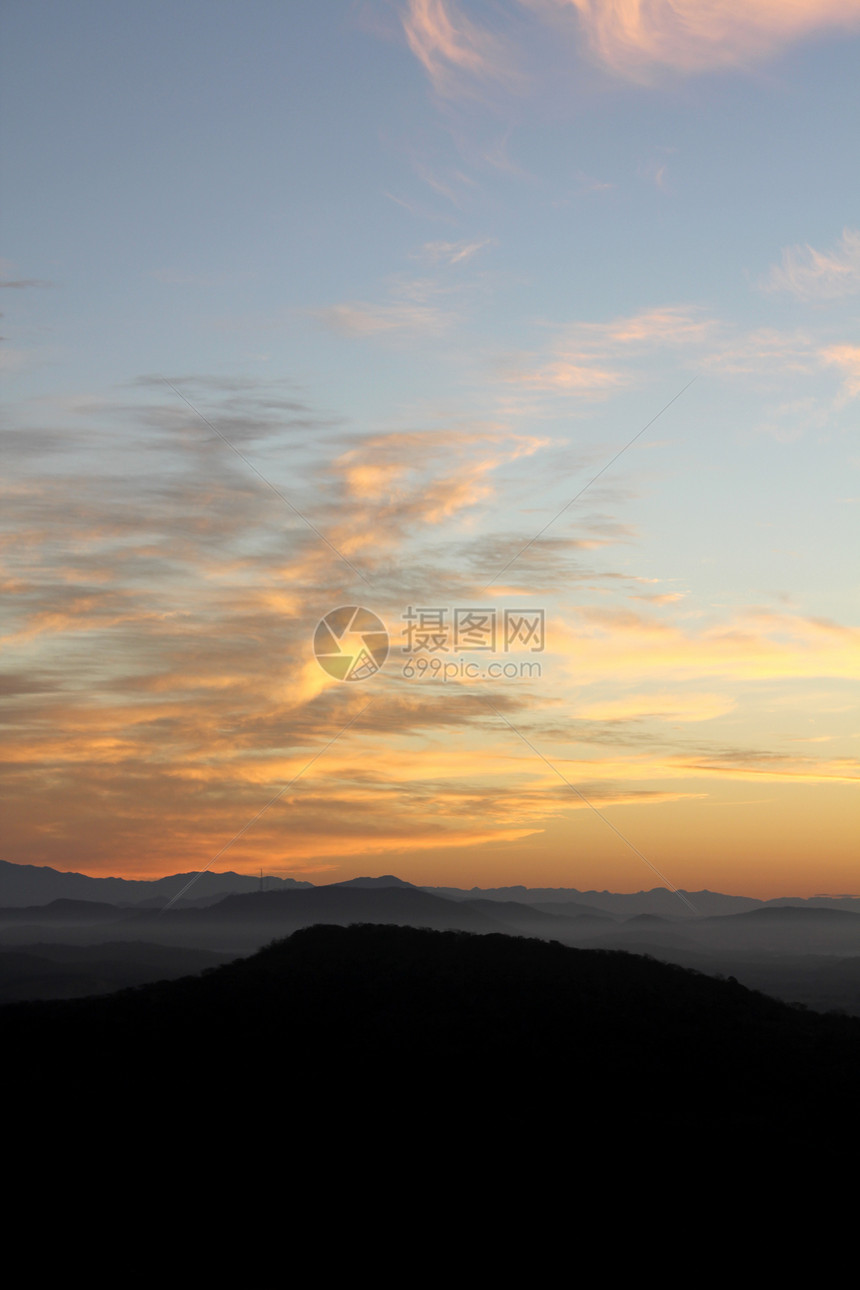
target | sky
x=528, y=327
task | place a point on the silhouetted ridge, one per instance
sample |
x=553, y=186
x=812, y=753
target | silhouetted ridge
x=387, y=880
x=27, y=884
x=800, y=913
x=436, y=1018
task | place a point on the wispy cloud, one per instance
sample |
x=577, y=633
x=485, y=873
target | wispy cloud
x=772, y=355
x=161, y=608
x=683, y=706
x=22, y=284
x=847, y=357
x=159, y=645
x=632, y=36
x=659, y=598
x=363, y=318
x=591, y=359
x=819, y=275
x=415, y=307
x=749, y=646
x=765, y=351
x=456, y=53
x=451, y=253
x=664, y=325
x=654, y=169
x=565, y=375
x=454, y=184
x=589, y=184
x=426, y=478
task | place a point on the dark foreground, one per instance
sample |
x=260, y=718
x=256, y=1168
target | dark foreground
x=405, y=1017
x=344, y=1060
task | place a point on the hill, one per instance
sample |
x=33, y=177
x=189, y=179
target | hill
x=387, y=1072
x=448, y=1018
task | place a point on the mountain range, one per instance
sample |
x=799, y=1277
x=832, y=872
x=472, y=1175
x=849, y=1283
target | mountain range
x=806, y=952
x=24, y=884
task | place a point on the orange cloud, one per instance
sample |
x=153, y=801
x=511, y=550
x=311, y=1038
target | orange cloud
x=451, y=48
x=664, y=325
x=585, y=354
x=660, y=598
x=410, y=479
x=631, y=36
x=570, y=377
x=163, y=688
x=663, y=707
x=848, y=358
x=756, y=646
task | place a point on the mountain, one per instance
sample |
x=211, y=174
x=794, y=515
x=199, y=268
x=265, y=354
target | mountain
x=22, y=885
x=573, y=909
x=27, y=884
x=388, y=1023
x=793, y=952
x=63, y=912
x=387, y=880
x=660, y=900
x=245, y=923
x=50, y=971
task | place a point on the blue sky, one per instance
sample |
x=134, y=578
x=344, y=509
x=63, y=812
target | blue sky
x=429, y=267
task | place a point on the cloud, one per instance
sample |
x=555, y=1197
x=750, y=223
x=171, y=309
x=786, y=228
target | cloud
x=663, y=707
x=772, y=356
x=664, y=325
x=22, y=284
x=361, y=318
x=400, y=483
x=569, y=376
x=632, y=36
x=455, y=186
x=159, y=676
x=766, y=351
x=451, y=253
x=772, y=766
x=819, y=275
x=753, y=646
x=586, y=355
x=660, y=598
x=848, y=358
x=588, y=184
x=413, y=311
x=454, y=51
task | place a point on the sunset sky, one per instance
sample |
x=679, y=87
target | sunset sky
x=319, y=305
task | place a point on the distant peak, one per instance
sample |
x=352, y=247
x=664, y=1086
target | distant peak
x=386, y=880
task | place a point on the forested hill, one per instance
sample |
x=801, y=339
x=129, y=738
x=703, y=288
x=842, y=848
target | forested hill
x=396, y=1018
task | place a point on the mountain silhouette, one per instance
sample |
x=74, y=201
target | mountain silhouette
x=416, y=1016
x=26, y=884
x=387, y=880
x=791, y=951
x=391, y=1071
